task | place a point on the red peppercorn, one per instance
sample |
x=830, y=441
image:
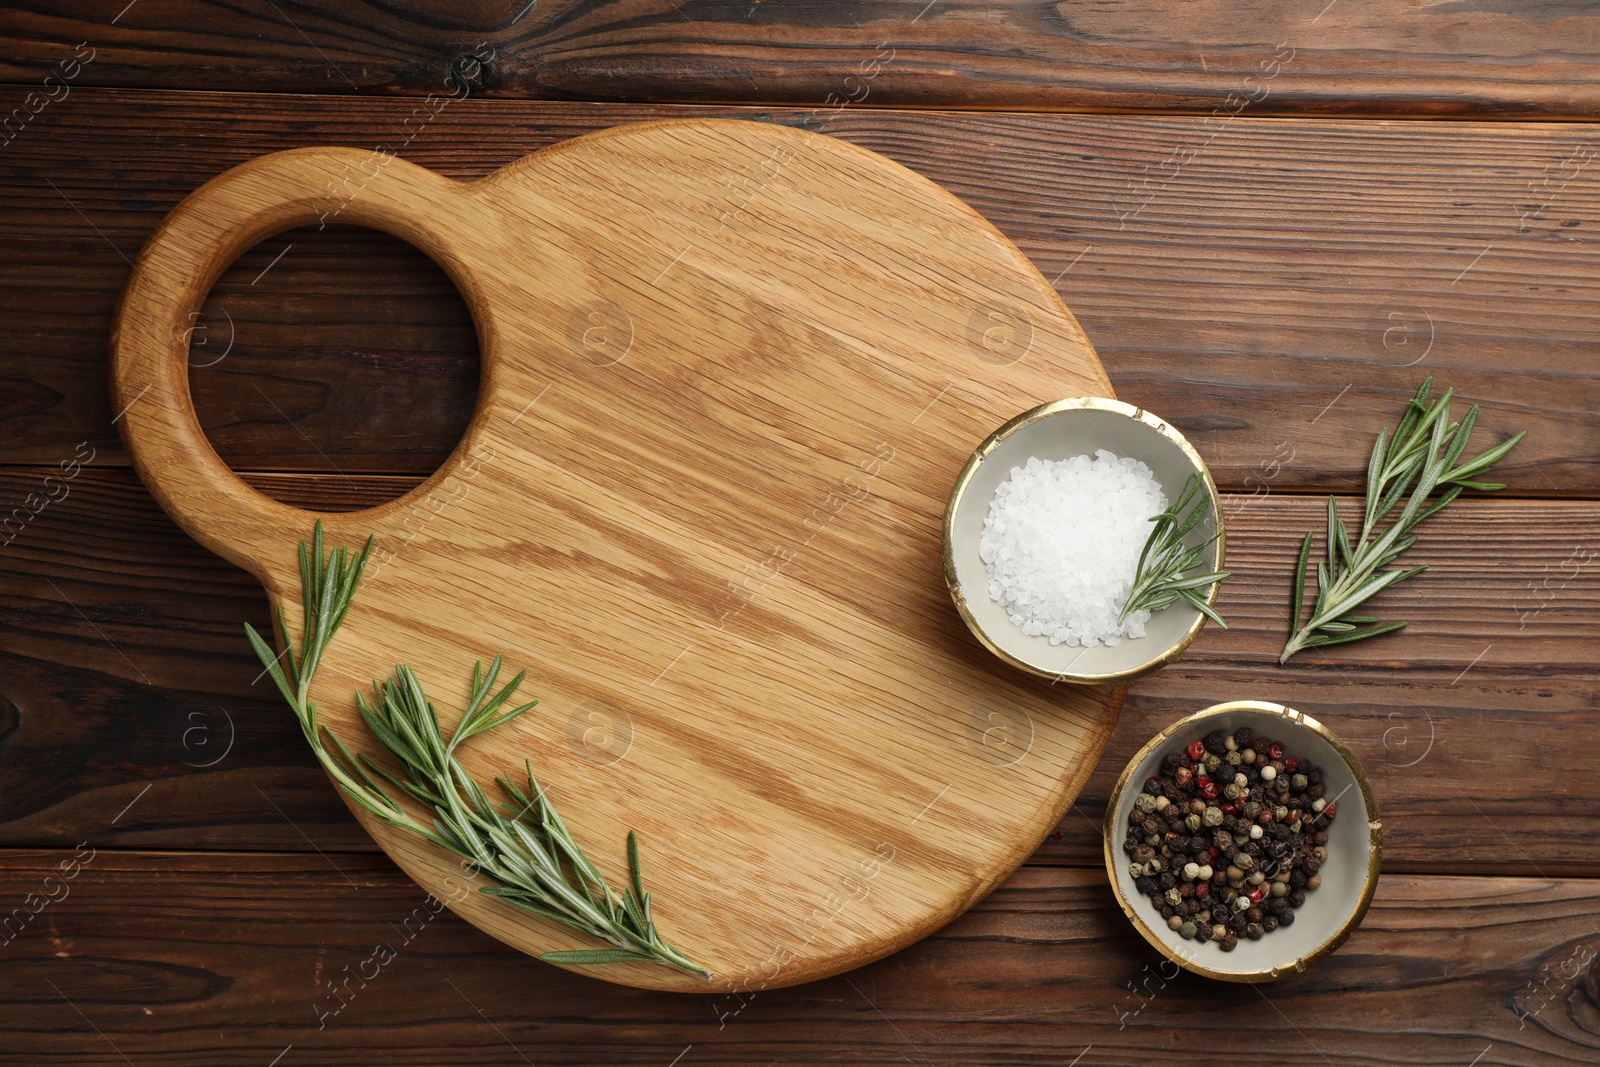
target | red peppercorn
x=1290, y=763
x=1265, y=818
x=1256, y=895
x=1197, y=751
x=1331, y=810
x=1276, y=751
x=1203, y=890
x=1213, y=852
x=1208, y=789
x=1230, y=809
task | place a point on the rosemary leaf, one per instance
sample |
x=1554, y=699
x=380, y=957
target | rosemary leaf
x=1298, y=598
x=595, y=955
x=525, y=849
x=1319, y=641
x=633, y=866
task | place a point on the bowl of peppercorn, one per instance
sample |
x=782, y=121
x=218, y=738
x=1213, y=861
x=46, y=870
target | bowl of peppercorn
x=1243, y=841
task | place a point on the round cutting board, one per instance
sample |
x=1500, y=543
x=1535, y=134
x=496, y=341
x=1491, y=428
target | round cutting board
x=730, y=371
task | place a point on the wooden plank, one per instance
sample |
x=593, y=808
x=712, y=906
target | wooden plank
x=147, y=686
x=229, y=959
x=1272, y=319
x=1357, y=57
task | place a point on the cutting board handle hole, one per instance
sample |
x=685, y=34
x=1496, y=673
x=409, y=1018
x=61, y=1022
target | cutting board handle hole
x=344, y=355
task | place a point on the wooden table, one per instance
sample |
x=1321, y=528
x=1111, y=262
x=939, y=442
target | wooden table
x=1266, y=232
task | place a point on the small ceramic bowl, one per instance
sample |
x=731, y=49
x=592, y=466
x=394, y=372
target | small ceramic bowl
x=1061, y=430
x=1349, y=877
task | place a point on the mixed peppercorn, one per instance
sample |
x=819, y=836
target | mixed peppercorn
x=1228, y=839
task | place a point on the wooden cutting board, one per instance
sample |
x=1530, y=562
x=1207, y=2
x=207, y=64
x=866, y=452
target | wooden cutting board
x=730, y=372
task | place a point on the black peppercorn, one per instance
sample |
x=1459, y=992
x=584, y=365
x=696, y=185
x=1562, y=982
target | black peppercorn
x=1264, y=830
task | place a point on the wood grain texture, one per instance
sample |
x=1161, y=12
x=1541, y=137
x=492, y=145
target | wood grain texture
x=1271, y=316
x=722, y=406
x=339, y=960
x=1532, y=59
x=1283, y=286
x=124, y=667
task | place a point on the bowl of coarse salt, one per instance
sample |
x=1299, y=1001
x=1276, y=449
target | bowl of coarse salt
x=1043, y=532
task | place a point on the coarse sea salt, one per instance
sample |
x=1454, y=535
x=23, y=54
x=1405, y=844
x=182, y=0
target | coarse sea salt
x=1061, y=544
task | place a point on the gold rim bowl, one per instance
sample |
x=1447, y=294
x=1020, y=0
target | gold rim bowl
x=1059, y=430
x=1349, y=877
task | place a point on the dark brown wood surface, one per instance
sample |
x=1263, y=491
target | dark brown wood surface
x=1276, y=288
x=1475, y=59
x=339, y=959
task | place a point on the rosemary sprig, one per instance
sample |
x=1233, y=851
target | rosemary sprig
x=524, y=848
x=1414, y=461
x=1159, y=579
